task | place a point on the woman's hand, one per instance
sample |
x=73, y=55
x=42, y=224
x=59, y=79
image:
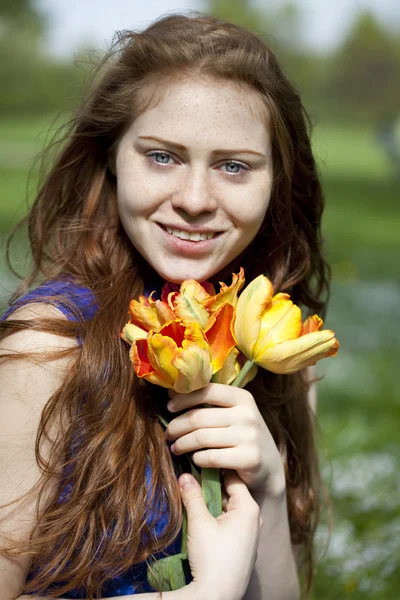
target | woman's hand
x=233, y=436
x=221, y=551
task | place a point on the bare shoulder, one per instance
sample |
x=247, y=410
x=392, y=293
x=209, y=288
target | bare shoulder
x=30, y=339
x=29, y=379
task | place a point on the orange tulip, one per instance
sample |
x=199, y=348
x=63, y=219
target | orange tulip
x=190, y=302
x=270, y=331
x=146, y=315
x=177, y=356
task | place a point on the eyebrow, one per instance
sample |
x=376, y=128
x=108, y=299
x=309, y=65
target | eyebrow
x=184, y=149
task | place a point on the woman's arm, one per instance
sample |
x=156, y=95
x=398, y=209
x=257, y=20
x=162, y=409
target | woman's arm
x=275, y=575
x=25, y=387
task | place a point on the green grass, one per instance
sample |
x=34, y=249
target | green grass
x=359, y=395
x=26, y=129
x=349, y=152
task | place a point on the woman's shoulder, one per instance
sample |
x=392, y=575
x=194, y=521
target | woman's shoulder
x=31, y=351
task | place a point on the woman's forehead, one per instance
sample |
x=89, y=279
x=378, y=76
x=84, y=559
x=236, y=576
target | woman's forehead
x=191, y=104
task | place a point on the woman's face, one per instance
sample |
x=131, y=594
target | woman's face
x=196, y=165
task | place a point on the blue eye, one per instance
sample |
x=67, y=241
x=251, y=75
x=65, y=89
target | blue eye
x=160, y=157
x=164, y=156
x=236, y=168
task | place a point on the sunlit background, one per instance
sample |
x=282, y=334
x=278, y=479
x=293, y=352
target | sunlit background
x=344, y=57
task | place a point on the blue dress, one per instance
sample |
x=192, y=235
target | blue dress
x=133, y=581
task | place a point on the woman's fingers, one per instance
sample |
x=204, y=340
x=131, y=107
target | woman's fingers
x=199, y=418
x=216, y=394
x=238, y=494
x=224, y=437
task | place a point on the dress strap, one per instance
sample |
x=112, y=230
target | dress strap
x=73, y=300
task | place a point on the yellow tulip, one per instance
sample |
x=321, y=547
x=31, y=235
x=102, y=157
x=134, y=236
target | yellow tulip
x=270, y=332
x=177, y=356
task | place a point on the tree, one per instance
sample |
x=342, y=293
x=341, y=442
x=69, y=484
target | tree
x=30, y=81
x=365, y=72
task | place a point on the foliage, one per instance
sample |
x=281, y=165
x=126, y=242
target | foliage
x=30, y=81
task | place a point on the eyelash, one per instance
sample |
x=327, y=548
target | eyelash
x=228, y=162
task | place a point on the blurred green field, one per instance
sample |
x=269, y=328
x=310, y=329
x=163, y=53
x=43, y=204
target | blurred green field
x=359, y=395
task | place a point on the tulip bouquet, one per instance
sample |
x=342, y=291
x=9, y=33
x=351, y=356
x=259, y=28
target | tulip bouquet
x=192, y=336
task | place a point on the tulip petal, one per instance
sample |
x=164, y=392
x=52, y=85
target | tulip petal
x=143, y=369
x=132, y=332
x=251, y=304
x=140, y=359
x=292, y=355
x=220, y=335
x=174, y=330
x=226, y=294
x=230, y=369
x=311, y=324
x=280, y=321
x=164, y=312
x=194, y=334
x=144, y=314
x=194, y=369
x=193, y=289
x=161, y=351
x=189, y=309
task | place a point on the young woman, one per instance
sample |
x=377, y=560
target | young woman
x=191, y=130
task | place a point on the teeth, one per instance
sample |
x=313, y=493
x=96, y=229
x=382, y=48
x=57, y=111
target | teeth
x=193, y=237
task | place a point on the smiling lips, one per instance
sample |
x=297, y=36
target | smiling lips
x=191, y=236
x=194, y=236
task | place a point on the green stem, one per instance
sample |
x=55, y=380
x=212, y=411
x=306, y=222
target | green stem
x=163, y=421
x=242, y=374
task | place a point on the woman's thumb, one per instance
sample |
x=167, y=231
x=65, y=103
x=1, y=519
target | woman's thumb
x=192, y=496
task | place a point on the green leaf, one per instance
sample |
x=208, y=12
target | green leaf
x=167, y=573
x=212, y=493
x=184, y=535
x=194, y=471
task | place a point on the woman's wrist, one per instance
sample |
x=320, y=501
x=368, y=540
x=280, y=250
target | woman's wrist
x=275, y=486
x=196, y=591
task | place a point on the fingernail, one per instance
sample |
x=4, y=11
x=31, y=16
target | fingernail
x=186, y=481
x=171, y=405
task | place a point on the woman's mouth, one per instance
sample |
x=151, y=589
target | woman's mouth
x=190, y=242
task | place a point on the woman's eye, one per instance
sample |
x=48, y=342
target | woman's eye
x=161, y=158
x=235, y=168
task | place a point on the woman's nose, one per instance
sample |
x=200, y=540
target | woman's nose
x=195, y=194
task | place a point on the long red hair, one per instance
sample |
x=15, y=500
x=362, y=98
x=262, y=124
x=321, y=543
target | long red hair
x=74, y=230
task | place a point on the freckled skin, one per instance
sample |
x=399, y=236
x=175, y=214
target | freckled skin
x=195, y=187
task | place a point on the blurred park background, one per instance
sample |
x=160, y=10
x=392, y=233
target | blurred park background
x=351, y=88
